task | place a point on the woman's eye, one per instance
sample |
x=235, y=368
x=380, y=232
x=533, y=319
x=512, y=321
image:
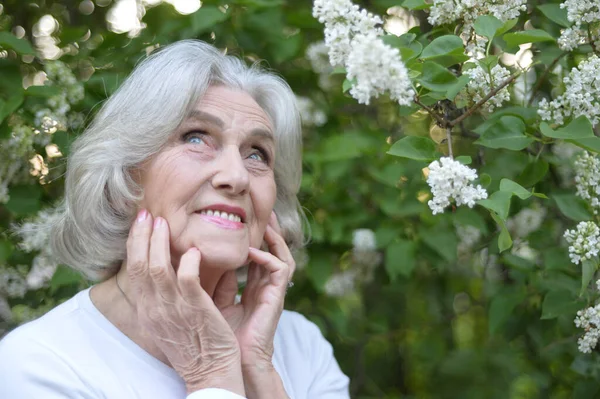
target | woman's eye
x=259, y=155
x=194, y=138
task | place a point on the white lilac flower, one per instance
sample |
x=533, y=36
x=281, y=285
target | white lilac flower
x=526, y=221
x=364, y=240
x=376, y=68
x=12, y=283
x=42, y=270
x=587, y=179
x=581, y=96
x=311, y=115
x=451, y=181
x=571, y=38
x=467, y=11
x=582, y=11
x=584, y=242
x=522, y=249
x=468, y=237
x=482, y=82
x=343, y=20
x=449, y=11
x=318, y=55
x=341, y=284
x=5, y=312
x=35, y=233
x=364, y=253
x=589, y=320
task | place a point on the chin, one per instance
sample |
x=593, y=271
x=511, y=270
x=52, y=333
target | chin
x=225, y=256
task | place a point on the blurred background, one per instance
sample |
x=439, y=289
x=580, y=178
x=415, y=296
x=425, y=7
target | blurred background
x=410, y=301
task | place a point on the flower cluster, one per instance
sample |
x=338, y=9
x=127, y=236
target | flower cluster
x=377, y=68
x=12, y=282
x=468, y=236
x=482, y=82
x=581, y=96
x=450, y=180
x=35, y=235
x=311, y=115
x=584, y=242
x=365, y=259
x=353, y=38
x=467, y=11
x=317, y=55
x=589, y=320
x=587, y=179
x=581, y=12
x=344, y=20
x=526, y=221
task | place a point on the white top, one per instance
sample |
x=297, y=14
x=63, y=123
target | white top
x=73, y=351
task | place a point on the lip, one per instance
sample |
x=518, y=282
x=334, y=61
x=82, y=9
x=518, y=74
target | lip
x=226, y=224
x=227, y=208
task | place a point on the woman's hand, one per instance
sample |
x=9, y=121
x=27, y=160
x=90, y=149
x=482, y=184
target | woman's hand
x=254, y=320
x=177, y=313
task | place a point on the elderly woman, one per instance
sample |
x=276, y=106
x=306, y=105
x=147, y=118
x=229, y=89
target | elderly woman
x=189, y=172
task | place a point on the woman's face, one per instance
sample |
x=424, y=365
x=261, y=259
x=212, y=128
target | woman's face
x=219, y=160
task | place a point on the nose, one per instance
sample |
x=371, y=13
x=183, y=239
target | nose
x=231, y=175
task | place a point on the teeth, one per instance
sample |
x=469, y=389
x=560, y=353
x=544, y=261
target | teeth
x=224, y=215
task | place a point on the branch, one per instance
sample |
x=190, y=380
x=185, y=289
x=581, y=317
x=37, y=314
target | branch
x=484, y=99
x=543, y=77
x=449, y=139
x=441, y=121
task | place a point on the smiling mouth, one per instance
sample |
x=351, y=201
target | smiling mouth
x=232, y=217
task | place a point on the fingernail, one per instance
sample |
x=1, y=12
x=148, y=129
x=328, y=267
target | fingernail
x=142, y=215
x=158, y=222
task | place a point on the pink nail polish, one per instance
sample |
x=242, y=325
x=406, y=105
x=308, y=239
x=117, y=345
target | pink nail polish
x=157, y=222
x=142, y=215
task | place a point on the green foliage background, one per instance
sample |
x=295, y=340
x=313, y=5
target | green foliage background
x=431, y=323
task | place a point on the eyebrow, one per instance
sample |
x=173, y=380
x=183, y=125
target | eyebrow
x=215, y=120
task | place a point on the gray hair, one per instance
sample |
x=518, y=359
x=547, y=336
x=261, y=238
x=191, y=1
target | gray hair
x=100, y=192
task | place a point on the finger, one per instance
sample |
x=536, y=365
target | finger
x=279, y=271
x=226, y=290
x=138, y=245
x=279, y=248
x=188, y=276
x=159, y=262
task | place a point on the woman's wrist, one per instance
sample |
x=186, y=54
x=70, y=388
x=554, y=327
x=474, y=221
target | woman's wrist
x=261, y=380
x=229, y=378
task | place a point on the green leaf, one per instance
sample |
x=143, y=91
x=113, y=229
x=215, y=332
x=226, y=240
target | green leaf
x=588, y=268
x=514, y=188
x=464, y=159
x=502, y=307
x=508, y=25
x=11, y=105
x=533, y=173
x=206, y=18
x=414, y=147
x=24, y=199
x=347, y=85
x=409, y=48
x=441, y=241
x=460, y=84
x=6, y=249
x=445, y=50
x=400, y=259
x=555, y=14
x=572, y=207
x=64, y=276
x=21, y=46
x=415, y=4
x=527, y=36
x=504, y=132
x=577, y=129
x=504, y=239
x=498, y=202
x=63, y=140
x=589, y=143
x=487, y=26
x=485, y=180
x=42, y=91
x=436, y=78
x=560, y=302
